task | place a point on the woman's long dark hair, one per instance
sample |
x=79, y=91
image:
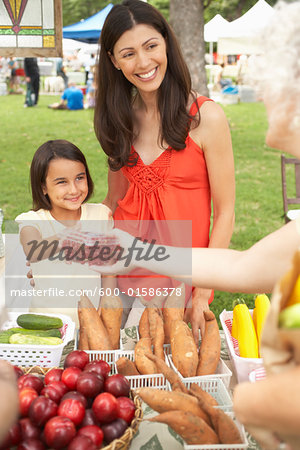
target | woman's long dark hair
x=113, y=120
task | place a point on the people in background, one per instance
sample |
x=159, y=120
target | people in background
x=13, y=79
x=220, y=81
x=72, y=98
x=32, y=74
x=60, y=71
x=89, y=69
x=90, y=96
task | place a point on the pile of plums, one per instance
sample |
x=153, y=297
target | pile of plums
x=80, y=407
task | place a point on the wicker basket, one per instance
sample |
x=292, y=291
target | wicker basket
x=124, y=441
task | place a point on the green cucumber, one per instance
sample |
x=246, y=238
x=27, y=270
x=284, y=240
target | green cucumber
x=45, y=333
x=25, y=339
x=38, y=322
x=290, y=317
x=4, y=338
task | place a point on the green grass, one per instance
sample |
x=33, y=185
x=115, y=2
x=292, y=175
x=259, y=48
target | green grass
x=259, y=208
x=23, y=130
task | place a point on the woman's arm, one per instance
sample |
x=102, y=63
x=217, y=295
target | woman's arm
x=117, y=188
x=213, y=136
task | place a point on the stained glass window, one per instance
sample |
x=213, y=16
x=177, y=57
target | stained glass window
x=30, y=28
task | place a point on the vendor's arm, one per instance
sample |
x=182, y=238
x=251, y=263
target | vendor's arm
x=272, y=403
x=213, y=136
x=254, y=270
x=117, y=188
x=9, y=405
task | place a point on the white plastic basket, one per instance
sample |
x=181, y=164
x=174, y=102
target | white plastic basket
x=257, y=375
x=215, y=387
x=108, y=356
x=36, y=355
x=222, y=372
x=242, y=366
x=156, y=380
x=242, y=446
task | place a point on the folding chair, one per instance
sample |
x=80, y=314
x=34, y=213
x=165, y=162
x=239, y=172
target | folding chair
x=290, y=214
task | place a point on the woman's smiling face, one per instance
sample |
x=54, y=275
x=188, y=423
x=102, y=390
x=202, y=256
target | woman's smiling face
x=141, y=54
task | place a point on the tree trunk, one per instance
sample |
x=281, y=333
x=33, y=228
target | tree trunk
x=187, y=21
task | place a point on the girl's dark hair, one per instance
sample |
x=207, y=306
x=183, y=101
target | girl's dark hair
x=113, y=120
x=50, y=150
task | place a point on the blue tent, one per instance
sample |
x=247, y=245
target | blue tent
x=89, y=29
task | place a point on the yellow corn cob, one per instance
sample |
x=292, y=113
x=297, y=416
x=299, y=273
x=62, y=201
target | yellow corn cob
x=234, y=326
x=247, y=339
x=295, y=295
x=234, y=330
x=262, y=305
x=254, y=319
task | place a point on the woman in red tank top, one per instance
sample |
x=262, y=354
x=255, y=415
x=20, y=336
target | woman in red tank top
x=169, y=149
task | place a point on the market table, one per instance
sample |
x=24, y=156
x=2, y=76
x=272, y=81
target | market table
x=157, y=436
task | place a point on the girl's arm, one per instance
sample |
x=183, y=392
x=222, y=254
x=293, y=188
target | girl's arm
x=117, y=188
x=213, y=136
x=35, y=247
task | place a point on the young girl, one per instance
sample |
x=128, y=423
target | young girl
x=61, y=185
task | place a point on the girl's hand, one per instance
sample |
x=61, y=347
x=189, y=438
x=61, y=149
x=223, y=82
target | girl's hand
x=29, y=274
x=124, y=265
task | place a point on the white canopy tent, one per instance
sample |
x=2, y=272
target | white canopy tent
x=212, y=30
x=70, y=46
x=241, y=35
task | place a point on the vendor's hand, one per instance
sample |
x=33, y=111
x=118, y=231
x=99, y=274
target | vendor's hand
x=125, y=241
x=29, y=274
x=200, y=299
x=265, y=438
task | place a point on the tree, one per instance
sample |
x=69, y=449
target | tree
x=187, y=21
x=162, y=5
x=76, y=10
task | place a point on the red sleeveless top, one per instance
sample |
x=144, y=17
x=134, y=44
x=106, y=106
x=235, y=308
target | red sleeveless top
x=174, y=188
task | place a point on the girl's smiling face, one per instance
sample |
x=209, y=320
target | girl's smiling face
x=66, y=186
x=141, y=54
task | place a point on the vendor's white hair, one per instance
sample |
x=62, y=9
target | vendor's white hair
x=277, y=72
